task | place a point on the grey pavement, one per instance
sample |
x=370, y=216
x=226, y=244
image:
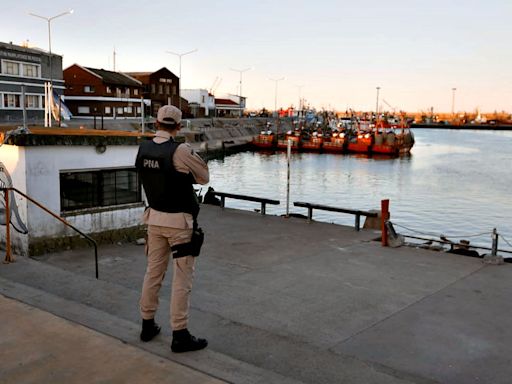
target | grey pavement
x=280, y=301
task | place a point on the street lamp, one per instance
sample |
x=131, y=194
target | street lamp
x=275, y=94
x=453, y=100
x=241, y=71
x=49, y=96
x=180, y=55
x=48, y=20
x=377, y=105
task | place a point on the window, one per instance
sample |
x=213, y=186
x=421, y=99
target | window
x=101, y=188
x=11, y=68
x=128, y=110
x=174, y=90
x=11, y=100
x=89, y=89
x=160, y=89
x=108, y=111
x=30, y=70
x=127, y=91
x=153, y=88
x=119, y=110
x=135, y=91
x=84, y=110
x=32, y=101
x=138, y=110
x=167, y=89
x=109, y=90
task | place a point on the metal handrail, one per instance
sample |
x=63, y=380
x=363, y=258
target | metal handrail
x=262, y=200
x=358, y=213
x=7, y=222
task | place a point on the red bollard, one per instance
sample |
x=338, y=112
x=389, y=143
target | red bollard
x=384, y=215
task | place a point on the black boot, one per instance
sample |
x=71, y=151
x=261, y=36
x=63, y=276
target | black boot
x=183, y=341
x=149, y=329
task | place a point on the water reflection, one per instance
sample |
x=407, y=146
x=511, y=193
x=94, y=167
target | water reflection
x=454, y=182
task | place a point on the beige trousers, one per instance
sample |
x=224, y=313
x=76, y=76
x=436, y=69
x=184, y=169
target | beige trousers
x=158, y=247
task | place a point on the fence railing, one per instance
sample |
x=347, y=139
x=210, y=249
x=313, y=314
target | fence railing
x=8, y=254
x=358, y=213
x=263, y=201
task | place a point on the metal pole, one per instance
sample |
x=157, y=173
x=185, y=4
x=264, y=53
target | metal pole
x=384, y=215
x=288, y=156
x=377, y=105
x=453, y=100
x=23, y=102
x=8, y=256
x=494, y=251
x=142, y=114
x=275, y=95
x=180, y=55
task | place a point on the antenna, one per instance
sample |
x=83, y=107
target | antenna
x=114, y=55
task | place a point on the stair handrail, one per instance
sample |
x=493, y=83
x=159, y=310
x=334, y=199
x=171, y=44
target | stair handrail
x=8, y=256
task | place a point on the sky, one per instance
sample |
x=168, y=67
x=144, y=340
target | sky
x=333, y=54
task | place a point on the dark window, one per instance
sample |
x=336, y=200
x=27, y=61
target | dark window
x=91, y=189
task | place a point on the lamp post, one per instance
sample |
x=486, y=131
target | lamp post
x=275, y=94
x=241, y=71
x=49, y=20
x=377, y=105
x=453, y=100
x=299, y=106
x=180, y=55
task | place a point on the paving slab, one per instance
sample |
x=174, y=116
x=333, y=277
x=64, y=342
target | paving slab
x=284, y=300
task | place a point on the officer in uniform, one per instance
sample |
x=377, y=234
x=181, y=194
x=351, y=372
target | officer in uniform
x=168, y=171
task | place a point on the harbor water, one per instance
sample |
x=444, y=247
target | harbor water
x=454, y=183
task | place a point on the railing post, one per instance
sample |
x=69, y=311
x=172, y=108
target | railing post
x=8, y=255
x=222, y=201
x=384, y=214
x=263, y=208
x=358, y=221
x=494, y=251
x=310, y=213
x=8, y=249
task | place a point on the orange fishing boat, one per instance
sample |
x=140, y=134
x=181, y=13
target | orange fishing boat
x=265, y=140
x=336, y=143
x=392, y=139
x=313, y=143
x=294, y=137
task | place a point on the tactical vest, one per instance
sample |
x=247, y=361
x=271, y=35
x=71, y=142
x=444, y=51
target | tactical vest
x=167, y=190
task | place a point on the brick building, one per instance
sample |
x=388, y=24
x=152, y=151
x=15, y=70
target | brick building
x=97, y=92
x=162, y=88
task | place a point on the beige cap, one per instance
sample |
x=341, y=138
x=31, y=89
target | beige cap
x=169, y=114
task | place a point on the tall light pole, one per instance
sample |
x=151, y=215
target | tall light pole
x=49, y=20
x=453, y=100
x=50, y=90
x=180, y=55
x=275, y=94
x=377, y=105
x=241, y=71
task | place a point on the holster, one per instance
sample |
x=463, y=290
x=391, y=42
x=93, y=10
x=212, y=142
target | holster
x=190, y=249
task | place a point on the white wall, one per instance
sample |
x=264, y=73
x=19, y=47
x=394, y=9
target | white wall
x=43, y=166
x=13, y=159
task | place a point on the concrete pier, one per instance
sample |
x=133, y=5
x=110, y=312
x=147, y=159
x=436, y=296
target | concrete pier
x=280, y=301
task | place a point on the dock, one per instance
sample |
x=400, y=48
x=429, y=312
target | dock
x=280, y=300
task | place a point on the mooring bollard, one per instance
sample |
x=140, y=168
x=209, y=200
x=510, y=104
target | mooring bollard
x=384, y=213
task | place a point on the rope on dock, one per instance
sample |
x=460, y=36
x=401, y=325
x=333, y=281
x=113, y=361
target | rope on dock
x=442, y=235
x=505, y=240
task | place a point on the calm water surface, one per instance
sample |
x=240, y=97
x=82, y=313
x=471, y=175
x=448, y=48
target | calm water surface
x=455, y=183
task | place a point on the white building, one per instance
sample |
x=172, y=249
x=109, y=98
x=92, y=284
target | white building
x=201, y=102
x=88, y=178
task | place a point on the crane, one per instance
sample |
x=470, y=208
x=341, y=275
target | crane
x=389, y=105
x=215, y=85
